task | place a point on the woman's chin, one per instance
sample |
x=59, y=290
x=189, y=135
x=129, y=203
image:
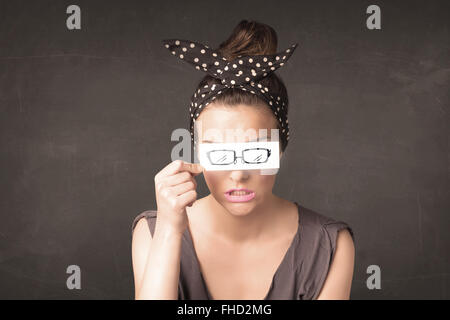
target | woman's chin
x=239, y=208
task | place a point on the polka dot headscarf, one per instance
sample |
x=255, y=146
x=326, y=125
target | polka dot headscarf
x=243, y=73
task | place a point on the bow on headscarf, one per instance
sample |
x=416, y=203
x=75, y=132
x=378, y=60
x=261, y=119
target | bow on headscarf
x=243, y=73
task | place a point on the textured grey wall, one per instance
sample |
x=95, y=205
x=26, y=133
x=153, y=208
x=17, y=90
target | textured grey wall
x=86, y=118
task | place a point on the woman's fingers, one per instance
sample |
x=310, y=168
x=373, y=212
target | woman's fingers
x=178, y=178
x=194, y=168
x=183, y=188
x=187, y=198
x=178, y=166
x=175, y=189
x=175, y=180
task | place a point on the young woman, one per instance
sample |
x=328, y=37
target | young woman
x=216, y=248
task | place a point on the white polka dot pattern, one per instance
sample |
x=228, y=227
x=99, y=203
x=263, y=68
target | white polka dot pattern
x=243, y=73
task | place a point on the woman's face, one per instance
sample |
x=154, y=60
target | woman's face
x=237, y=119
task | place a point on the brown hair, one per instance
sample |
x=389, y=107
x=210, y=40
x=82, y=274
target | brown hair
x=249, y=38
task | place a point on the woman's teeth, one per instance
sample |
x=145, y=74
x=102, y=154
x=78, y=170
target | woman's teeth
x=239, y=193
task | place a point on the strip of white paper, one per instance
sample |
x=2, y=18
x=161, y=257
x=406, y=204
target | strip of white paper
x=273, y=161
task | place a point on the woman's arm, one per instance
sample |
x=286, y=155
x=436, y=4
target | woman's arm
x=156, y=262
x=339, y=279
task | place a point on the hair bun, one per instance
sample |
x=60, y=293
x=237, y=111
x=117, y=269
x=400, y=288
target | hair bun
x=249, y=38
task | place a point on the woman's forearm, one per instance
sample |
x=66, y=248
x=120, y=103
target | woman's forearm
x=162, y=270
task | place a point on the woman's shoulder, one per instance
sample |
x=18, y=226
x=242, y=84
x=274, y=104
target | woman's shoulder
x=318, y=225
x=149, y=215
x=317, y=247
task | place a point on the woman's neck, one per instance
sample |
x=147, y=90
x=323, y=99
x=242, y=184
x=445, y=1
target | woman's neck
x=236, y=228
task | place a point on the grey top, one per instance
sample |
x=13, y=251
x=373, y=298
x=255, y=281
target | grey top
x=300, y=275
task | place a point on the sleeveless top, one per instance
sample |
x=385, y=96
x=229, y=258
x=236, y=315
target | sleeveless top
x=300, y=275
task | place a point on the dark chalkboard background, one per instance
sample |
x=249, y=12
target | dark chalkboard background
x=86, y=118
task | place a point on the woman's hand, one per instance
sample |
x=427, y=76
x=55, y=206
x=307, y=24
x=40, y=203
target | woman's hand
x=175, y=188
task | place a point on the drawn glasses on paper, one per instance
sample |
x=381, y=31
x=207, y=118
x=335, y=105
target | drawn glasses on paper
x=239, y=156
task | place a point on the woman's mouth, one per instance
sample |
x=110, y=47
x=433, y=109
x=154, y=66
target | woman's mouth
x=239, y=195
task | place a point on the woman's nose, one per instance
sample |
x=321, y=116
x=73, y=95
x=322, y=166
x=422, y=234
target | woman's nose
x=239, y=175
